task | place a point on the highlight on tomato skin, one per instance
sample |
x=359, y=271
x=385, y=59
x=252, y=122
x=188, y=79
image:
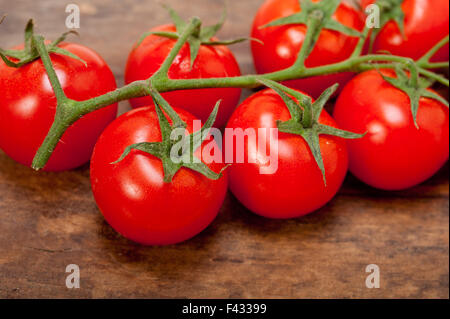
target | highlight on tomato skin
x=394, y=155
x=132, y=194
x=297, y=187
x=212, y=61
x=28, y=105
x=281, y=44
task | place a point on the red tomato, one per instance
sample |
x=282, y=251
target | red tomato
x=426, y=23
x=283, y=43
x=297, y=187
x=212, y=61
x=394, y=154
x=28, y=104
x=132, y=195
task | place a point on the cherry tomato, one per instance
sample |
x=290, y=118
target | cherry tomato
x=212, y=61
x=28, y=105
x=426, y=23
x=297, y=187
x=282, y=44
x=132, y=195
x=394, y=154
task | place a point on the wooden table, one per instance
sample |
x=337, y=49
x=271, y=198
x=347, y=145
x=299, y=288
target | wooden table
x=50, y=220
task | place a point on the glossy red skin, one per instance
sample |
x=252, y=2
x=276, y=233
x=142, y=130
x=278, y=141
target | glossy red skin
x=282, y=44
x=132, y=194
x=212, y=61
x=394, y=155
x=297, y=187
x=426, y=23
x=28, y=105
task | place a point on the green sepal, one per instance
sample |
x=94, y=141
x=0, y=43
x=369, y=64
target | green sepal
x=177, y=122
x=322, y=100
x=195, y=141
x=311, y=137
x=230, y=42
x=203, y=169
x=415, y=89
x=305, y=119
x=202, y=36
x=29, y=53
x=390, y=10
x=329, y=130
x=431, y=95
x=194, y=48
x=150, y=148
x=210, y=31
x=29, y=31
x=322, y=12
x=163, y=149
x=291, y=104
x=290, y=126
x=197, y=138
x=175, y=35
x=164, y=125
x=296, y=18
x=61, y=51
x=166, y=34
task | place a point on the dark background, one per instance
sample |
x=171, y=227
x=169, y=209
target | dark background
x=50, y=220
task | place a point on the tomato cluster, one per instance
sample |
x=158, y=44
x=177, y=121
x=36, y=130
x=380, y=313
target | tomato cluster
x=397, y=151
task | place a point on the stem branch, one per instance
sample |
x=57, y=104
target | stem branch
x=193, y=27
x=45, y=57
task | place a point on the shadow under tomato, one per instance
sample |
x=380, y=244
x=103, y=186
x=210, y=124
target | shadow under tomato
x=52, y=190
x=436, y=186
x=316, y=221
x=172, y=261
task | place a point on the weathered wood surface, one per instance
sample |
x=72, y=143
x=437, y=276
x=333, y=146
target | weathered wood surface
x=48, y=220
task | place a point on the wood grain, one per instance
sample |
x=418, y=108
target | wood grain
x=50, y=220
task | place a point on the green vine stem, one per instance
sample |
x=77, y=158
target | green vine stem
x=69, y=111
x=65, y=114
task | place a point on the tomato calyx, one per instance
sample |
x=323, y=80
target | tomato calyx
x=305, y=119
x=176, y=153
x=415, y=87
x=317, y=16
x=390, y=10
x=30, y=53
x=202, y=35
